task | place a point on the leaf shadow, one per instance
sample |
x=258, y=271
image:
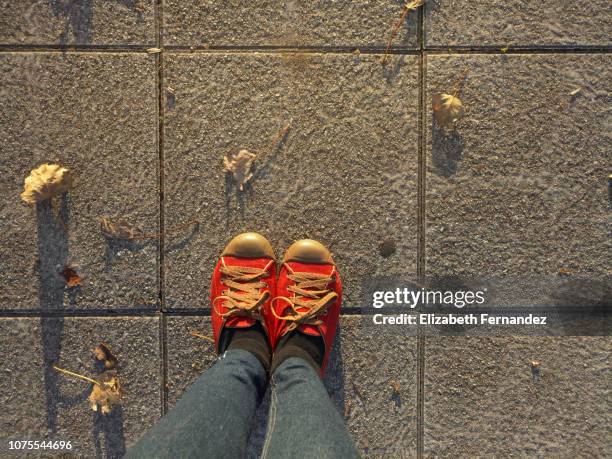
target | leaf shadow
x=446, y=151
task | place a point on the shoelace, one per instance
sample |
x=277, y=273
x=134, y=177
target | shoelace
x=313, y=302
x=243, y=296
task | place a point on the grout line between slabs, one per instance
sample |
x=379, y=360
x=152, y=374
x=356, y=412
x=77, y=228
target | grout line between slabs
x=140, y=49
x=421, y=229
x=159, y=10
x=178, y=49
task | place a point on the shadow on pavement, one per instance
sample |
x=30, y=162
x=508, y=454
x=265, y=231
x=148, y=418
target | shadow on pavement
x=53, y=257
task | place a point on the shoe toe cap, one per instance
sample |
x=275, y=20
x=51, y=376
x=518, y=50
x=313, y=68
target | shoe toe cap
x=308, y=251
x=249, y=245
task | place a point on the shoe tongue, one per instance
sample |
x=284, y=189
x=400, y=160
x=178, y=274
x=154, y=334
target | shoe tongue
x=246, y=262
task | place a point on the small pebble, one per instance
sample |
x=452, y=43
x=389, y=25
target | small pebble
x=387, y=248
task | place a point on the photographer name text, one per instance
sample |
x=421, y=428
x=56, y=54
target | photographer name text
x=457, y=319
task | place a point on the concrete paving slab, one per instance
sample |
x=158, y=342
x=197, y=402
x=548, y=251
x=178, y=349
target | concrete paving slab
x=520, y=188
x=77, y=22
x=287, y=23
x=39, y=404
x=97, y=115
x=371, y=379
x=484, y=398
x=345, y=175
x=546, y=23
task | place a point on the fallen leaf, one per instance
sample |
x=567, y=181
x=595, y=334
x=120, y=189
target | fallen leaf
x=204, y=337
x=575, y=92
x=239, y=163
x=395, y=386
x=76, y=375
x=46, y=181
x=505, y=49
x=139, y=7
x=102, y=353
x=535, y=363
x=71, y=278
x=106, y=393
x=119, y=230
x=447, y=110
x=565, y=272
x=409, y=6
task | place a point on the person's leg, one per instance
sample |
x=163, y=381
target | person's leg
x=301, y=323
x=303, y=421
x=213, y=418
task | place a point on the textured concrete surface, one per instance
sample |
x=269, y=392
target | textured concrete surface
x=515, y=200
x=77, y=22
x=341, y=23
x=371, y=379
x=482, y=397
x=346, y=174
x=95, y=114
x=546, y=23
x=40, y=404
x=521, y=186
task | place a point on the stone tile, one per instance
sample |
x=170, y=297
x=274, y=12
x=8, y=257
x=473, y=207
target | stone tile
x=40, y=404
x=371, y=379
x=96, y=114
x=76, y=22
x=286, y=23
x=188, y=355
x=528, y=23
x=520, y=189
x=483, y=399
x=346, y=174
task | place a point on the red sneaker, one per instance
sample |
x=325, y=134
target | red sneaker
x=308, y=296
x=243, y=283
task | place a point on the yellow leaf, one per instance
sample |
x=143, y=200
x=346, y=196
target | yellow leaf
x=107, y=393
x=45, y=182
x=239, y=163
x=447, y=110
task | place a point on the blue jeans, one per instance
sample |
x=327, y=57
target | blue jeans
x=213, y=418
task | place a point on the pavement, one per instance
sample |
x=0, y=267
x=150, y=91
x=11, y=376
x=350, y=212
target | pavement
x=142, y=100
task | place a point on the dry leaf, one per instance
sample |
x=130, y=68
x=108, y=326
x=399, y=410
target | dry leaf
x=409, y=6
x=447, y=110
x=45, y=182
x=106, y=393
x=535, y=363
x=395, y=386
x=119, y=230
x=71, y=277
x=76, y=375
x=575, y=92
x=201, y=336
x=565, y=272
x=239, y=163
x=102, y=353
x=139, y=7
